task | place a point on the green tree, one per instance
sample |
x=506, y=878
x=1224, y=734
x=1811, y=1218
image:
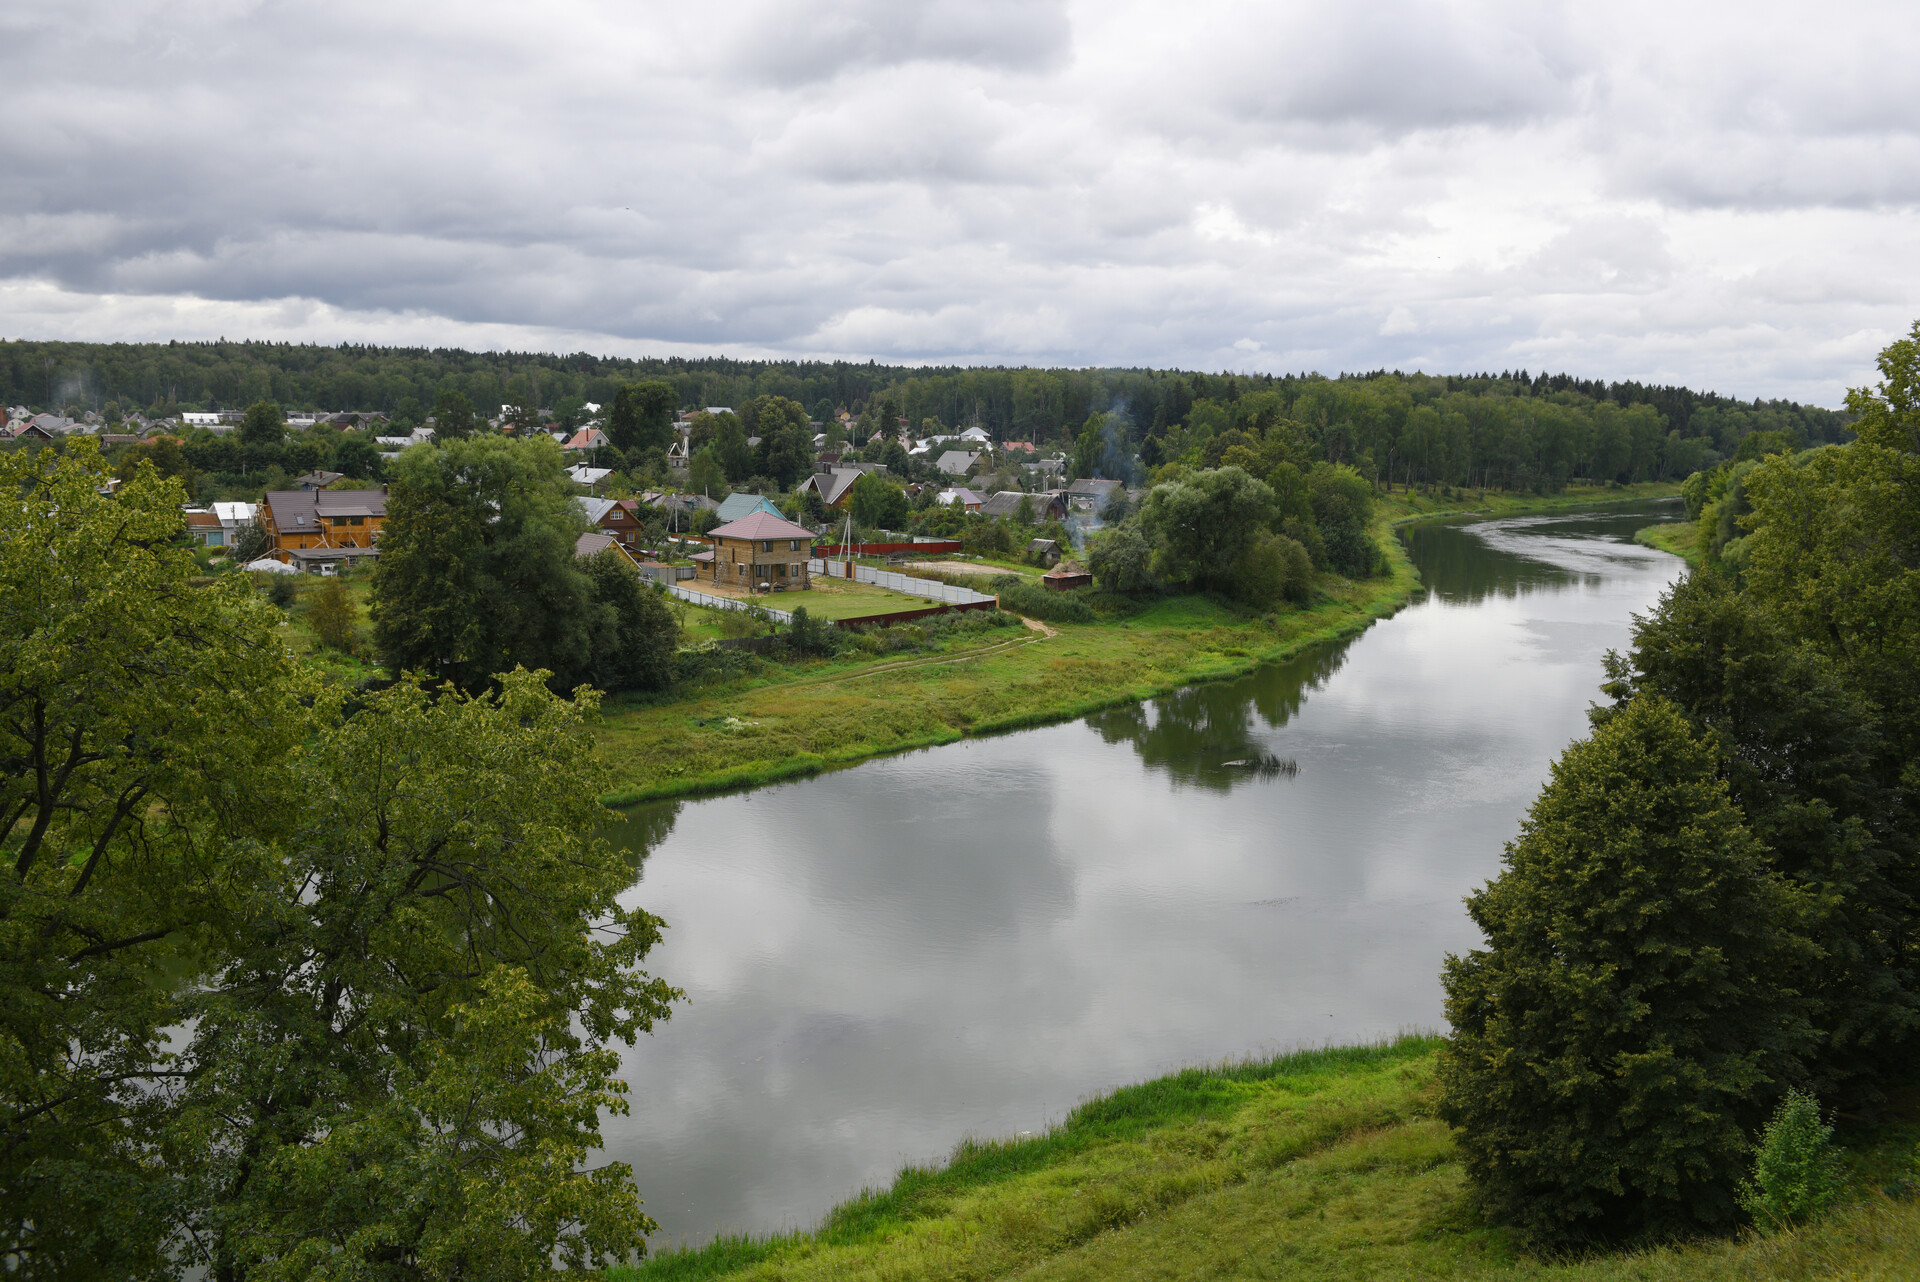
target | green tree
x=1809, y=766
x=333, y=614
x=1887, y=415
x=1796, y=1170
x=641, y=416
x=1272, y=569
x=402, y=1074
x=1202, y=526
x=476, y=571
x=135, y=706
x=453, y=417
x=1342, y=503
x=636, y=632
x=707, y=475
x=264, y=424
x=165, y=456
x=786, y=438
x=357, y=456
x=1122, y=559
x=877, y=503
x=1632, y=1015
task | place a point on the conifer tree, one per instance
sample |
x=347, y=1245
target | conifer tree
x=1629, y=1023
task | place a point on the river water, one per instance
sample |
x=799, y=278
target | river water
x=969, y=940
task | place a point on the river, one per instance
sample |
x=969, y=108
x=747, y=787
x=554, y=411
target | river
x=970, y=939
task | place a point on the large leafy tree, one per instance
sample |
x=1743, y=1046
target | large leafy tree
x=477, y=570
x=635, y=633
x=263, y=424
x=136, y=708
x=1203, y=526
x=379, y=929
x=454, y=418
x=1632, y=1016
x=642, y=416
x=786, y=437
x=877, y=503
x=401, y=1073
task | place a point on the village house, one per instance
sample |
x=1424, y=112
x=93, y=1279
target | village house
x=300, y=520
x=757, y=551
x=1090, y=494
x=316, y=480
x=581, y=474
x=587, y=438
x=744, y=504
x=619, y=518
x=1044, y=551
x=956, y=462
x=205, y=528
x=960, y=497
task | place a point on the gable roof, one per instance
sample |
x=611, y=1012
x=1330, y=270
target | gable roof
x=761, y=525
x=592, y=544
x=202, y=521
x=956, y=462
x=831, y=485
x=1093, y=485
x=593, y=508
x=739, y=505
x=1005, y=503
x=316, y=480
x=587, y=438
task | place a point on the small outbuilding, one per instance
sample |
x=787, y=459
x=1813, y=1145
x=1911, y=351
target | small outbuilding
x=1066, y=576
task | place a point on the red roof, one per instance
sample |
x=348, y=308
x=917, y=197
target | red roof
x=761, y=525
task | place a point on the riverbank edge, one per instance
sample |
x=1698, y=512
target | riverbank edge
x=1203, y=1170
x=1679, y=538
x=1385, y=598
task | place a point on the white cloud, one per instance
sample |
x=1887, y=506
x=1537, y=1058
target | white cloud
x=1722, y=195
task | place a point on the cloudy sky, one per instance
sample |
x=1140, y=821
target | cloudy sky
x=1721, y=194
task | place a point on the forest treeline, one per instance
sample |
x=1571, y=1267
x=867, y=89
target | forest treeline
x=1511, y=430
x=1715, y=901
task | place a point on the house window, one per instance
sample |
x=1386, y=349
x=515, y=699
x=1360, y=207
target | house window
x=356, y=520
x=794, y=545
x=615, y=515
x=766, y=545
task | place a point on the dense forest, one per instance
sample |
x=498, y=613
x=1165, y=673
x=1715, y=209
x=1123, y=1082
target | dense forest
x=1512, y=430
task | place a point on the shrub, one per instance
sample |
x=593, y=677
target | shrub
x=1796, y=1172
x=1122, y=559
x=1045, y=604
x=709, y=664
x=283, y=589
x=1272, y=569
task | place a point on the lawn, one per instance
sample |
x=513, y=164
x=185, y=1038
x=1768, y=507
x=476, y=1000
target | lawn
x=1319, y=1165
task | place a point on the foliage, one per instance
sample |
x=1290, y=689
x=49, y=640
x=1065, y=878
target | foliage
x=642, y=416
x=1202, y=526
x=1888, y=414
x=454, y=418
x=1122, y=559
x=477, y=572
x=1273, y=569
x=400, y=1075
x=785, y=452
x=357, y=456
x=333, y=615
x=1806, y=760
x=263, y=424
x=877, y=503
x=1632, y=1014
x=283, y=589
x=1342, y=503
x=164, y=455
x=706, y=475
x=134, y=706
x=1037, y=602
x=1796, y=1172
x=809, y=636
x=634, y=629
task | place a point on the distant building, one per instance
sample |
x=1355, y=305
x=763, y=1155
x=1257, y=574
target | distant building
x=739, y=505
x=758, y=549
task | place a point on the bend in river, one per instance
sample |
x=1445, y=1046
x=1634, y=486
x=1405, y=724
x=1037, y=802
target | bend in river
x=970, y=939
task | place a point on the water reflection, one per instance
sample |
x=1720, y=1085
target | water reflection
x=970, y=939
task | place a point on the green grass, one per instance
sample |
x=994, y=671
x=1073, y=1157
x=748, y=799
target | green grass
x=1316, y=1165
x=305, y=644
x=1409, y=507
x=1678, y=537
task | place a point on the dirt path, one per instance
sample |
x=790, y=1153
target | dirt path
x=960, y=567
x=1039, y=627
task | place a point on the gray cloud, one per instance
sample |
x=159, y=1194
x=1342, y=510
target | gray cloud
x=1719, y=195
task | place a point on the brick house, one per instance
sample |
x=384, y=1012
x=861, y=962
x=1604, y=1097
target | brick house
x=758, y=548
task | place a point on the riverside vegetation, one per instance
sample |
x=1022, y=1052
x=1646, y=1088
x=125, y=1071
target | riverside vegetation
x=392, y=955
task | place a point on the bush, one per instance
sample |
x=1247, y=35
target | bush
x=1122, y=559
x=807, y=635
x=1796, y=1172
x=332, y=615
x=1045, y=604
x=709, y=664
x=1272, y=569
x=283, y=589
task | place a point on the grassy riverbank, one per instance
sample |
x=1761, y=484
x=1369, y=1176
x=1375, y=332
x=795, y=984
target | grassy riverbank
x=1317, y=1165
x=1682, y=538
x=796, y=719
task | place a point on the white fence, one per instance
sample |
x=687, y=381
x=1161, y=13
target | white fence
x=727, y=603
x=930, y=589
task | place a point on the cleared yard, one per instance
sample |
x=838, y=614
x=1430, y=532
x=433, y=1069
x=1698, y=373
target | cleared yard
x=984, y=569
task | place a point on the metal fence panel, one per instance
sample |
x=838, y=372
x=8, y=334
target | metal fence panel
x=727, y=603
